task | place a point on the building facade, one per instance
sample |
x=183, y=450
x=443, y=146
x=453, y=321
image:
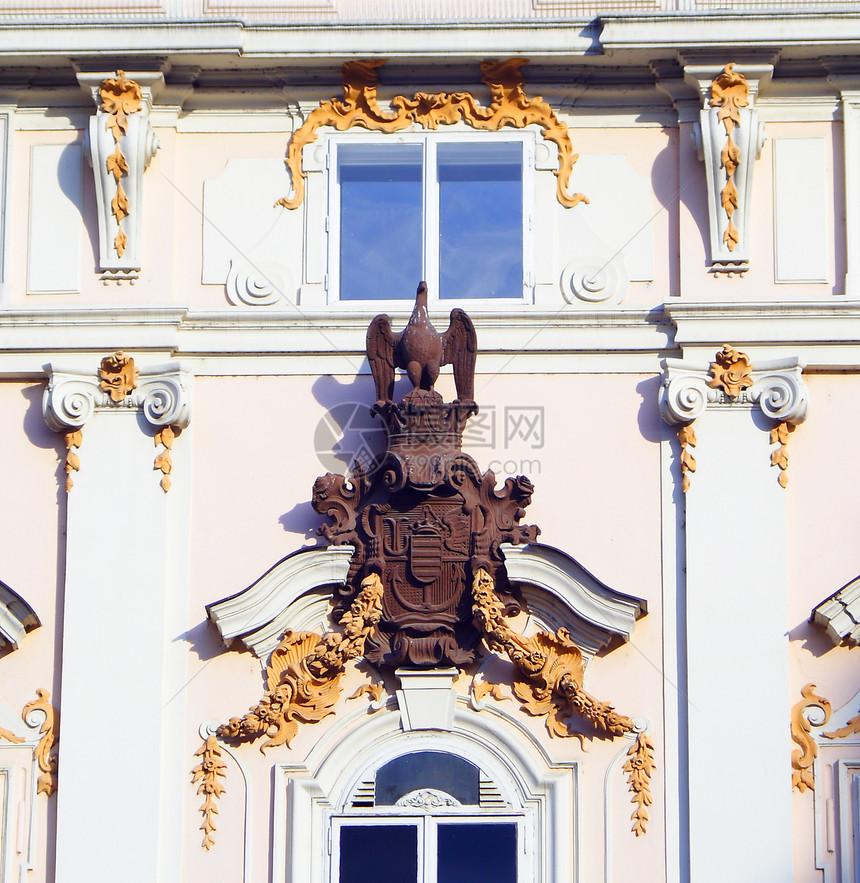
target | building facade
x=277, y=602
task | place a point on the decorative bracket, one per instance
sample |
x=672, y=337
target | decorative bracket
x=776, y=387
x=161, y=392
x=729, y=138
x=121, y=143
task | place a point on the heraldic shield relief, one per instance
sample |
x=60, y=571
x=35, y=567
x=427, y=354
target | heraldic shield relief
x=426, y=584
x=426, y=520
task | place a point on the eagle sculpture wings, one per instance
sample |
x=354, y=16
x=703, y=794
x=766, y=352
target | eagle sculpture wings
x=420, y=351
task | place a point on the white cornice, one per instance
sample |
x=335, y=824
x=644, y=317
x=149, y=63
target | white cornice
x=824, y=334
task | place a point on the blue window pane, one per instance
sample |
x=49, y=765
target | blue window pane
x=379, y=854
x=381, y=221
x=477, y=853
x=480, y=220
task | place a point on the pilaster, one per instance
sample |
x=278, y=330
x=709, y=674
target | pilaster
x=124, y=606
x=735, y=610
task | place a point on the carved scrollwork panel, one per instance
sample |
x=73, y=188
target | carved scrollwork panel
x=510, y=106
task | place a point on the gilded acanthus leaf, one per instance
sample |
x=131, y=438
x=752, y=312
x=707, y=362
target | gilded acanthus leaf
x=73, y=440
x=509, y=107
x=304, y=674
x=374, y=691
x=120, y=241
x=209, y=772
x=485, y=688
x=116, y=163
x=729, y=92
x=852, y=727
x=802, y=775
x=120, y=98
x=119, y=204
x=118, y=376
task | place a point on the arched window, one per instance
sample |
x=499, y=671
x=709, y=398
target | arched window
x=428, y=817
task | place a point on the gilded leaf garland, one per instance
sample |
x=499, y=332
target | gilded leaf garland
x=802, y=775
x=209, y=772
x=548, y=682
x=779, y=436
x=509, y=106
x=163, y=460
x=729, y=93
x=304, y=674
x=687, y=438
x=120, y=98
x=73, y=440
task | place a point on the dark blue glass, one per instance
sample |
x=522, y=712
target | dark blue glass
x=379, y=854
x=428, y=769
x=381, y=221
x=480, y=220
x=477, y=853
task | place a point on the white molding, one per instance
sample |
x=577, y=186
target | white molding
x=595, y=613
x=17, y=617
x=163, y=395
x=839, y=615
x=257, y=617
x=308, y=793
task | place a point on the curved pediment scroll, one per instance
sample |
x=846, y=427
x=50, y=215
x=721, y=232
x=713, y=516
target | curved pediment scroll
x=509, y=106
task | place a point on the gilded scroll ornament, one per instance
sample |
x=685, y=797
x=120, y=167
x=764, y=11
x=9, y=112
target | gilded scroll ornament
x=120, y=98
x=509, y=106
x=687, y=438
x=730, y=92
x=852, y=727
x=732, y=371
x=304, y=674
x=209, y=772
x=118, y=376
x=73, y=439
x=802, y=773
x=779, y=457
x=548, y=683
x=45, y=753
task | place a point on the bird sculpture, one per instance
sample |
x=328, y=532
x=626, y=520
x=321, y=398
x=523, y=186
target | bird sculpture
x=420, y=351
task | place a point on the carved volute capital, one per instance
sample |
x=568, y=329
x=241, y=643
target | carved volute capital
x=162, y=393
x=776, y=388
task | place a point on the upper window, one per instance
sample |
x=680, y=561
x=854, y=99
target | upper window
x=428, y=817
x=449, y=210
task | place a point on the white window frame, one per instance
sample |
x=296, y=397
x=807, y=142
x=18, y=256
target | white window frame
x=430, y=215
x=428, y=825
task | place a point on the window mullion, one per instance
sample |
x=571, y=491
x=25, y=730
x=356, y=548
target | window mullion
x=431, y=218
x=429, y=867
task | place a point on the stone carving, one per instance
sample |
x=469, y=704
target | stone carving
x=118, y=376
x=122, y=144
x=777, y=388
x=548, y=683
x=732, y=371
x=427, y=799
x=259, y=283
x=803, y=775
x=509, y=107
x=729, y=93
x=420, y=351
x=304, y=674
x=729, y=139
x=209, y=772
x=160, y=392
